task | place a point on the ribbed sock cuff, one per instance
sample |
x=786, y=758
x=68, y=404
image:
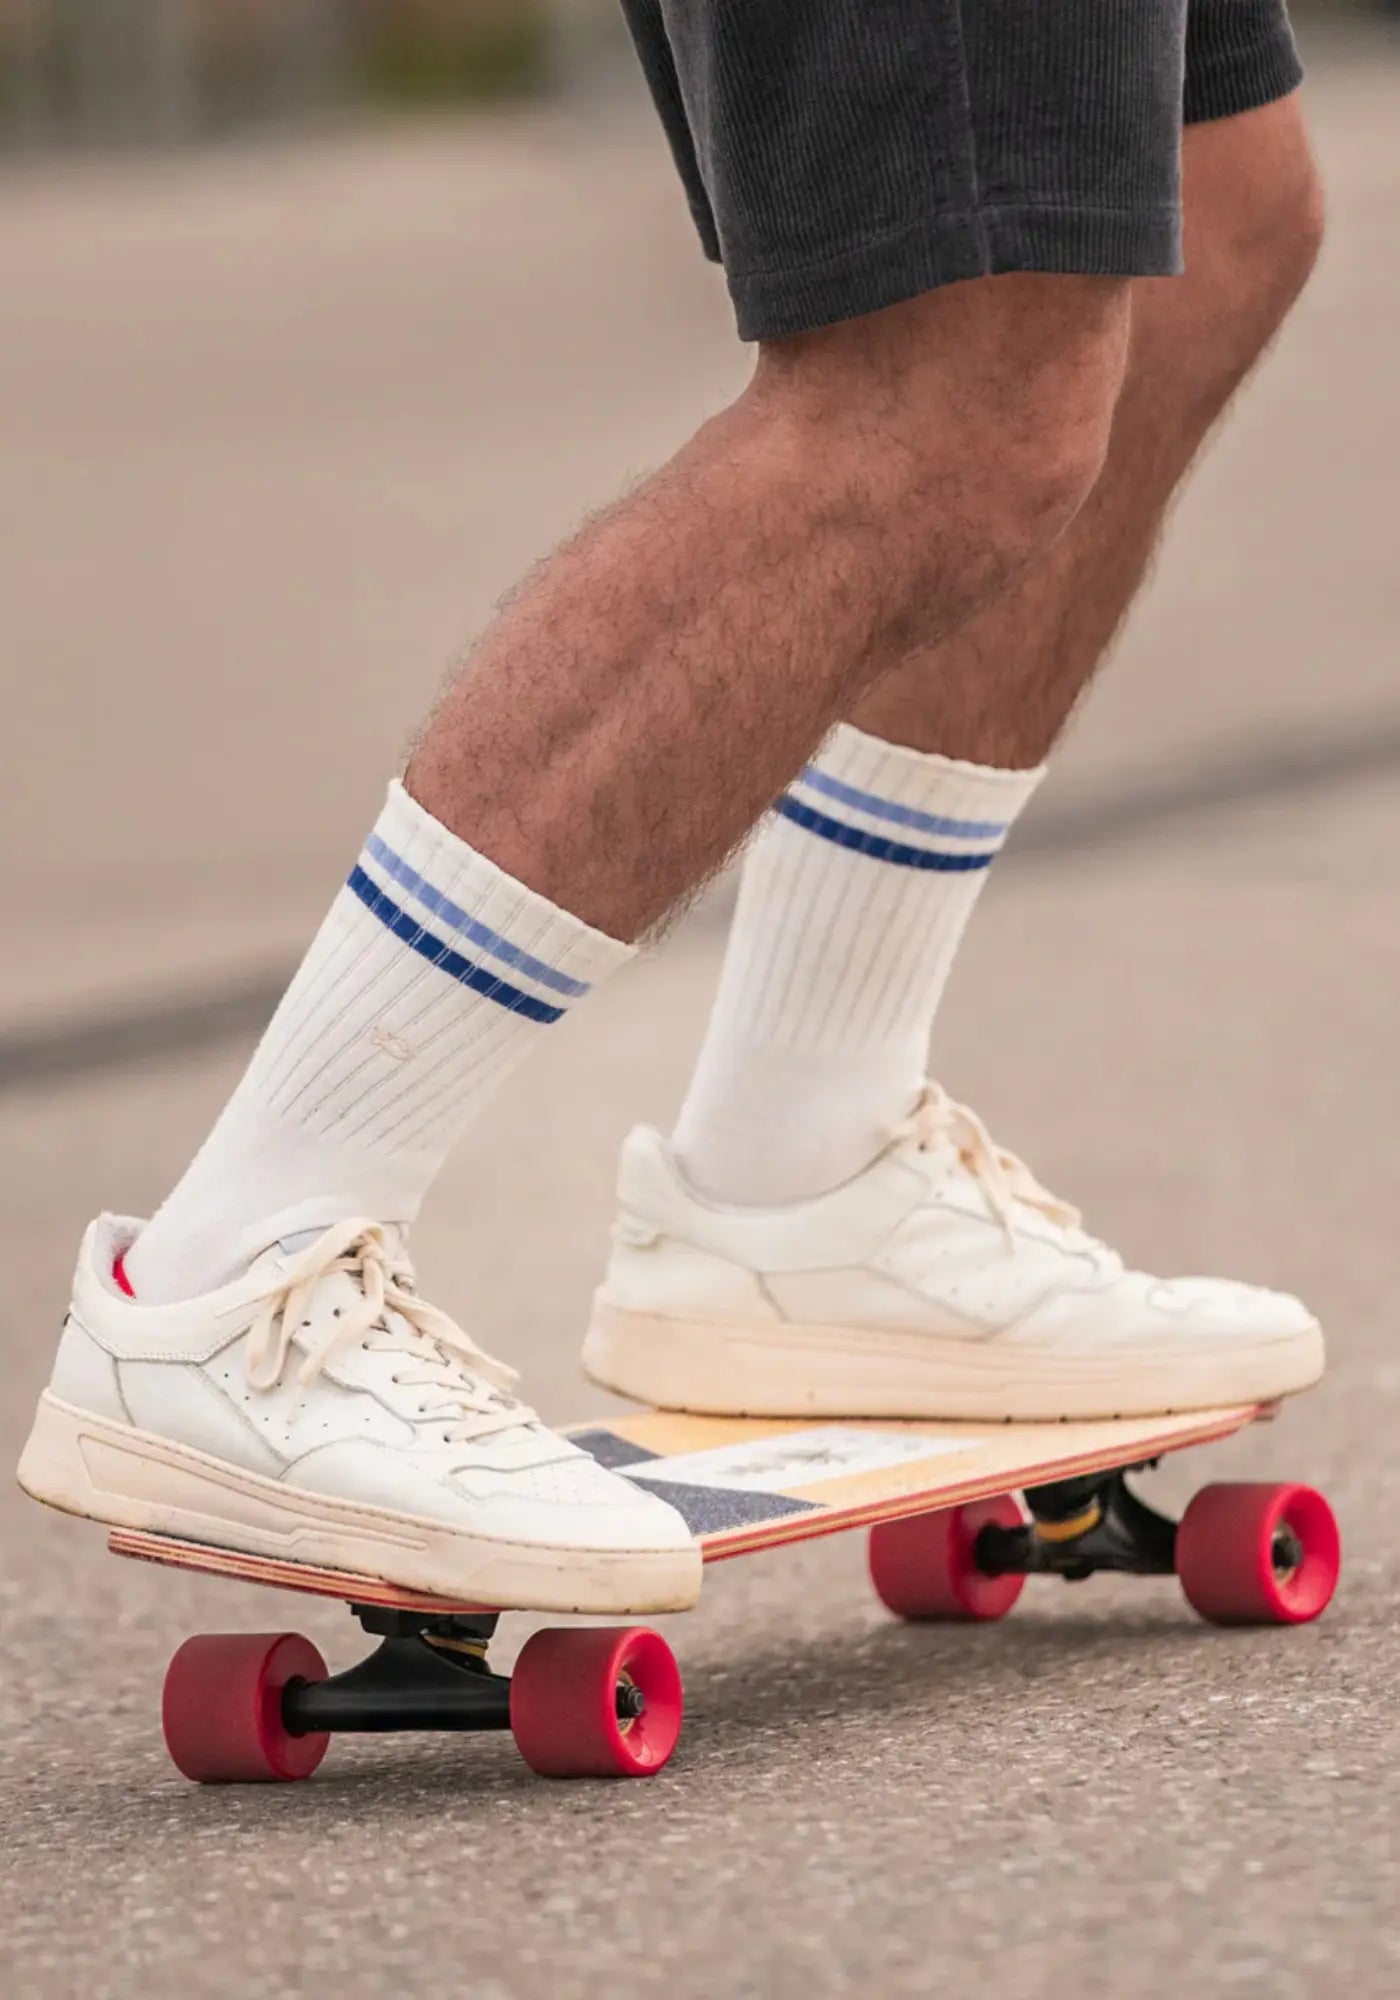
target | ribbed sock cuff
x=467, y=889
x=916, y=778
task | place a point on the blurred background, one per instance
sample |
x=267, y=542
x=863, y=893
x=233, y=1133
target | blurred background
x=163, y=71
x=319, y=321
x=103, y=72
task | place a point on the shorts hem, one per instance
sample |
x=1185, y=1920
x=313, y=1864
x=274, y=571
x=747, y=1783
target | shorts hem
x=1242, y=79
x=1082, y=242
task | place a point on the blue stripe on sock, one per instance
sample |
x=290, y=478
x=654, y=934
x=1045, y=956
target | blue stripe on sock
x=921, y=822
x=412, y=933
x=479, y=933
x=875, y=844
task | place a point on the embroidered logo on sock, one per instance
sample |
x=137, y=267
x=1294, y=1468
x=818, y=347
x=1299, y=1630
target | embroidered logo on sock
x=389, y=1044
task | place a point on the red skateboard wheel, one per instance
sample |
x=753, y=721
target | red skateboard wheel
x=1255, y=1554
x=596, y=1702
x=222, y=1707
x=925, y=1566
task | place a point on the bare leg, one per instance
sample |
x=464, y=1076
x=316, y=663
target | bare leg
x=826, y=1234
x=1000, y=691
x=629, y=716
x=818, y=1041
x=632, y=712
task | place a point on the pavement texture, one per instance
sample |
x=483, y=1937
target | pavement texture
x=279, y=427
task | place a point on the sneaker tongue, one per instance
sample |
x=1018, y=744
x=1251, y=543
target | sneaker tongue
x=284, y=1250
x=299, y=1240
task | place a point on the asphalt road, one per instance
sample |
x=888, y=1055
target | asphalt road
x=279, y=426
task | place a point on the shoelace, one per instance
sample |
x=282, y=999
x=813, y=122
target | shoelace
x=470, y=1389
x=1004, y=1178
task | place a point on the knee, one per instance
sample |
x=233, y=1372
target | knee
x=973, y=421
x=1038, y=399
x=1289, y=238
x=1259, y=254
x=1253, y=237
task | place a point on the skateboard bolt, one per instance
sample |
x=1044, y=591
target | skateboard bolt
x=1287, y=1551
x=631, y=1702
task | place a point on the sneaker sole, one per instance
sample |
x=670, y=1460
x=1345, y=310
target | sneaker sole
x=716, y=1368
x=126, y=1478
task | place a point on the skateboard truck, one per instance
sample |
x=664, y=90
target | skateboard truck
x=429, y=1671
x=1080, y=1526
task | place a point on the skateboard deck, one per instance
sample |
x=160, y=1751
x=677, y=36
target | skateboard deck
x=750, y=1483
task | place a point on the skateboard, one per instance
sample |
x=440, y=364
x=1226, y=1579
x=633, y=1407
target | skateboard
x=958, y=1516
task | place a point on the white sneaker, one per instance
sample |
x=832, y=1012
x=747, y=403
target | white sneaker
x=317, y=1410
x=942, y=1282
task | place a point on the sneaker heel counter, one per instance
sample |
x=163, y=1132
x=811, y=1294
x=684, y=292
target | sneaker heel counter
x=85, y=1374
x=653, y=1266
x=651, y=1273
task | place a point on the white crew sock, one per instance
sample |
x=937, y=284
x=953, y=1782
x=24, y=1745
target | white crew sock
x=854, y=896
x=432, y=976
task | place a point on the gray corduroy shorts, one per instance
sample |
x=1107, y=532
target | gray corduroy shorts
x=842, y=155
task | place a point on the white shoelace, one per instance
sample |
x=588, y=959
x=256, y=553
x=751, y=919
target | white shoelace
x=1004, y=1178
x=468, y=1389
